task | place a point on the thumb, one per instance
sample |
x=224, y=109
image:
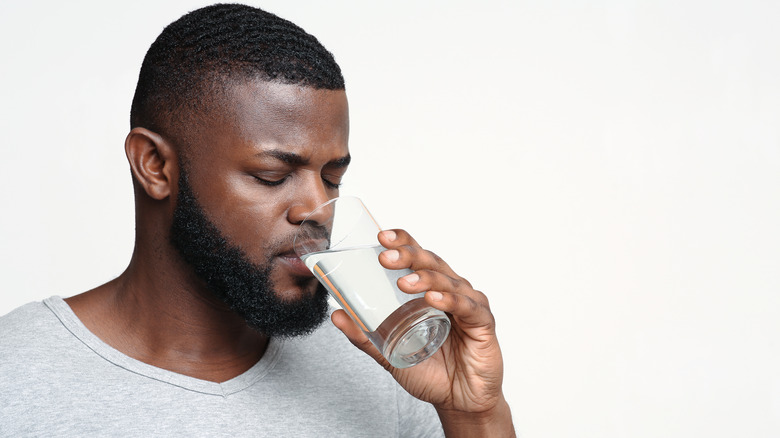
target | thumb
x=358, y=337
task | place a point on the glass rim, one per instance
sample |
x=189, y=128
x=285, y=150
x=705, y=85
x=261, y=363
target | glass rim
x=347, y=198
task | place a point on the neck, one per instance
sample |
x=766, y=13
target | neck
x=160, y=313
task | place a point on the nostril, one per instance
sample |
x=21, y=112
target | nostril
x=312, y=196
x=321, y=213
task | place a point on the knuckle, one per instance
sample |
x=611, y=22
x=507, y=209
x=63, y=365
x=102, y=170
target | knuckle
x=359, y=343
x=468, y=302
x=364, y=344
x=408, y=254
x=462, y=283
x=482, y=299
x=432, y=259
x=491, y=322
x=435, y=257
x=428, y=276
x=428, y=279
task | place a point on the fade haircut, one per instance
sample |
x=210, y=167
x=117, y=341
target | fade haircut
x=197, y=56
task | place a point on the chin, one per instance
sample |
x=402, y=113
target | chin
x=291, y=295
x=295, y=288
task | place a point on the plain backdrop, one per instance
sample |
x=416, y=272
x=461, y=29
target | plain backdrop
x=607, y=171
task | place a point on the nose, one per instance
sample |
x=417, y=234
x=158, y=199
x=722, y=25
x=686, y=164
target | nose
x=309, y=196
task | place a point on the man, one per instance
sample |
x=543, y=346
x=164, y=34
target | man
x=239, y=129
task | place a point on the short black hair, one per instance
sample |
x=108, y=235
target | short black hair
x=206, y=49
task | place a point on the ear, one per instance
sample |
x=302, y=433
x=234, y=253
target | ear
x=153, y=162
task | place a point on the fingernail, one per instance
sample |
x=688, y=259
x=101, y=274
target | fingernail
x=389, y=235
x=435, y=296
x=392, y=255
x=412, y=279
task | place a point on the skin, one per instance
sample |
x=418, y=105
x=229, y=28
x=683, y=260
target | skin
x=259, y=163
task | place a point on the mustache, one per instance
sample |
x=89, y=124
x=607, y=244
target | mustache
x=311, y=238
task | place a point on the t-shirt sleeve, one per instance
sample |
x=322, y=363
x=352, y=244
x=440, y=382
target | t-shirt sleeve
x=416, y=418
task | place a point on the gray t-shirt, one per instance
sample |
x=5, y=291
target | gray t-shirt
x=59, y=379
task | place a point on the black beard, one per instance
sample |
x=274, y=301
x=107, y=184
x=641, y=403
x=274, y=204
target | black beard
x=229, y=275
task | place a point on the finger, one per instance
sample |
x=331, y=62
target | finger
x=405, y=256
x=427, y=280
x=409, y=255
x=357, y=337
x=396, y=237
x=466, y=311
x=414, y=258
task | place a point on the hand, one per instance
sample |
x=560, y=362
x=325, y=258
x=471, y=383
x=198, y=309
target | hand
x=463, y=378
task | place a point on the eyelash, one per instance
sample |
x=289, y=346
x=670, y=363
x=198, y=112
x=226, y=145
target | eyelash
x=276, y=183
x=331, y=185
x=269, y=183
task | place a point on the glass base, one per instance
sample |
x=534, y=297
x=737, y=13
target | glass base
x=411, y=334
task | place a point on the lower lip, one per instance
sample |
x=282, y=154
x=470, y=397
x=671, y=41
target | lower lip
x=296, y=266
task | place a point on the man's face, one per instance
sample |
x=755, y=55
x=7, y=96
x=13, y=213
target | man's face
x=255, y=169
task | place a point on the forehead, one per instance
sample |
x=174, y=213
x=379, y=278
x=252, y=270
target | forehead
x=257, y=114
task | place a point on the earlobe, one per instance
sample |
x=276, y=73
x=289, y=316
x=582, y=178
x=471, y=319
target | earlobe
x=152, y=161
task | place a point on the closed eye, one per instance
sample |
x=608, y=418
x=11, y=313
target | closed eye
x=270, y=183
x=331, y=184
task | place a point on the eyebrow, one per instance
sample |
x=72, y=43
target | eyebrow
x=297, y=160
x=340, y=162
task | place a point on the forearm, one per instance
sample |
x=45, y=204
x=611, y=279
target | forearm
x=496, y=423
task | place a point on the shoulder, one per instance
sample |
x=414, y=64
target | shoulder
x=31, y=334
x=25, y=323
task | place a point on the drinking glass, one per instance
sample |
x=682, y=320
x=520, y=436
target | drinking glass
x=338, y=243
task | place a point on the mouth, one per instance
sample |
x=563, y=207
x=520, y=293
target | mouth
x=294, y=265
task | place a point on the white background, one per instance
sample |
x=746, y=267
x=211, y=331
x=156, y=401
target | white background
x=608, y=172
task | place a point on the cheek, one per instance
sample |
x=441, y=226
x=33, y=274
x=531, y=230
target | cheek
x=248, y=218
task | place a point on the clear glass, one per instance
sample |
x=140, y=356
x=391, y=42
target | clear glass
x=338, y=243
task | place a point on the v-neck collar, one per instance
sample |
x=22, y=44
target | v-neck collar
x=259, y=370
